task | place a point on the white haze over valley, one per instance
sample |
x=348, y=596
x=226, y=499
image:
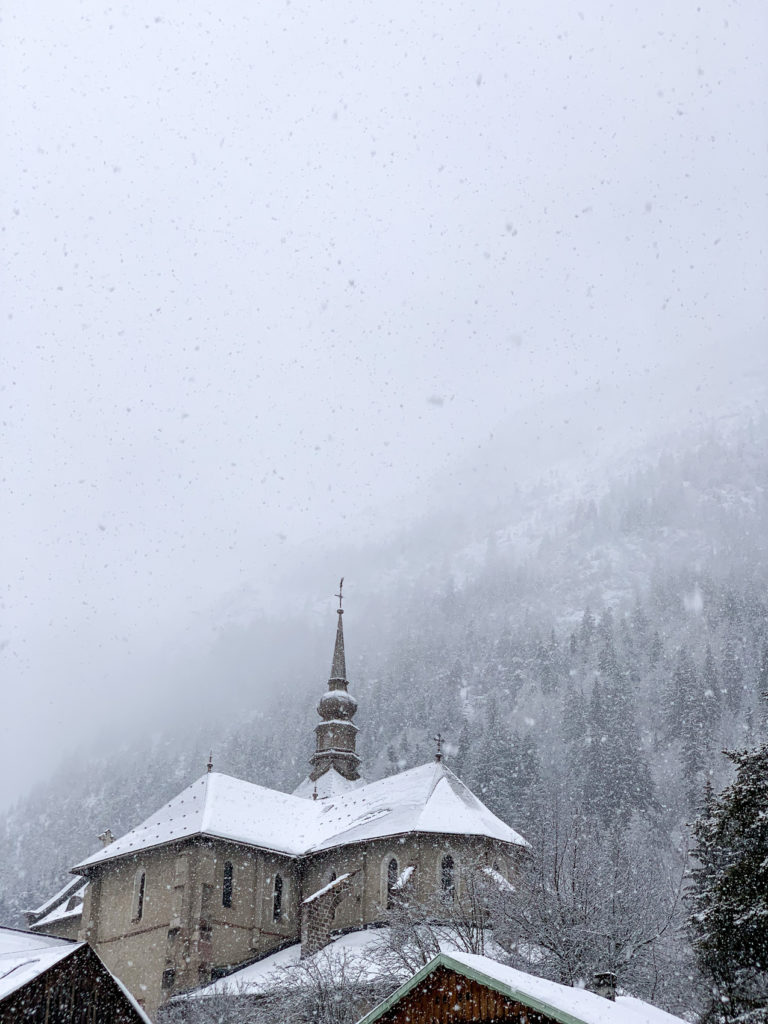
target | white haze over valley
x=283, y=285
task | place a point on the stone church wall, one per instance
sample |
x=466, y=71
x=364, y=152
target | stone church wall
x=132, y=949
x=186, y=934
x=367, y=863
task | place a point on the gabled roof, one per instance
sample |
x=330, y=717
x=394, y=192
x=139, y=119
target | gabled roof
x=62, y=912
x=24, y=956
x=559, y=1002
x=73, y=885
x=57, y=908
x=429, y=798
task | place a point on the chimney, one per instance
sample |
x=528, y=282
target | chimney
x=106, y=837
x=604, y=984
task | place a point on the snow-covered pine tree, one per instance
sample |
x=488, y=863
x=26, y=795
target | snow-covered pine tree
x=729, y=891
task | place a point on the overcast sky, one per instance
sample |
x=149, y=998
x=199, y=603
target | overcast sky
x=269, y=267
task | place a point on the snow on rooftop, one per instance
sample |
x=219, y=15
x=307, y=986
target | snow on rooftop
x=73, y=885
x=220, y=806
x=330, y=783
x=23, y=956
x=429, y=798
x=333, y=884
x=266, y=974
x=561, y=1001
x=26, y=955
x=63, y=911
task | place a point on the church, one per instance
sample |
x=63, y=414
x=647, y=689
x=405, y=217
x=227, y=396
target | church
x=229, y=871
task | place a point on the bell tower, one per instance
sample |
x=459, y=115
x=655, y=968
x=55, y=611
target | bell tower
x=336, y=733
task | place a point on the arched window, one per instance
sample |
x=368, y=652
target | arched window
x=447, y=881
x=226, y=889
x=277, y=900
x=392, y=875
x=139, y=886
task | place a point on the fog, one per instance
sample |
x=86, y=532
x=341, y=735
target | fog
x=279, y=280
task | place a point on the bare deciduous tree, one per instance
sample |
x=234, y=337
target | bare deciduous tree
x=593, y=900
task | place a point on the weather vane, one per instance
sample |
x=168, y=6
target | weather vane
x=339, y=595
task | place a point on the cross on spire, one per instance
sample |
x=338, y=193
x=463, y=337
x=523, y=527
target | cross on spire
x=210, y=762
x=340, y=596
x=439, y=740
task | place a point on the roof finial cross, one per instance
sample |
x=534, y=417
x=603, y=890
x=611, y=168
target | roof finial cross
x=210, y=762
x=339, y=595
x=439, y=741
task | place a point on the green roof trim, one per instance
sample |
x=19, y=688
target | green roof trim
x=445, y=960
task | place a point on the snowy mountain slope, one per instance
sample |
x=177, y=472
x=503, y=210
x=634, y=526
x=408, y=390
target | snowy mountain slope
x=463, y=623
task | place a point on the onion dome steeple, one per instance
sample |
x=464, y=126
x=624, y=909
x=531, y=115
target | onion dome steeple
x=336, y=734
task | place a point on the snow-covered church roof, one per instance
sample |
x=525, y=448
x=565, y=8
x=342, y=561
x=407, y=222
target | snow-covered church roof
x=429, y=798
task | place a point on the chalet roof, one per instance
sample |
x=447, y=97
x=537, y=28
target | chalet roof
x=24, y=955
x=429, y=798
x=559, y=1002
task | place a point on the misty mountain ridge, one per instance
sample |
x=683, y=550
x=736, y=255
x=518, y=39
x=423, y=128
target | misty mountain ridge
x=480, y=626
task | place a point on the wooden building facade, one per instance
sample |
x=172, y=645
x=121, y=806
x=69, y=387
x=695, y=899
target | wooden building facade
x=464, y=987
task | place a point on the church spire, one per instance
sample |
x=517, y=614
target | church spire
x=339, y=663
x=336, y=734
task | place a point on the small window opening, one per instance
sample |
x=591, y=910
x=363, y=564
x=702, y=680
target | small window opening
x=333, y=901
x=277, y=902
x=226, y=889
x=139, y=886
x=169, y=978
x=447, y=881
x=392, y=876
